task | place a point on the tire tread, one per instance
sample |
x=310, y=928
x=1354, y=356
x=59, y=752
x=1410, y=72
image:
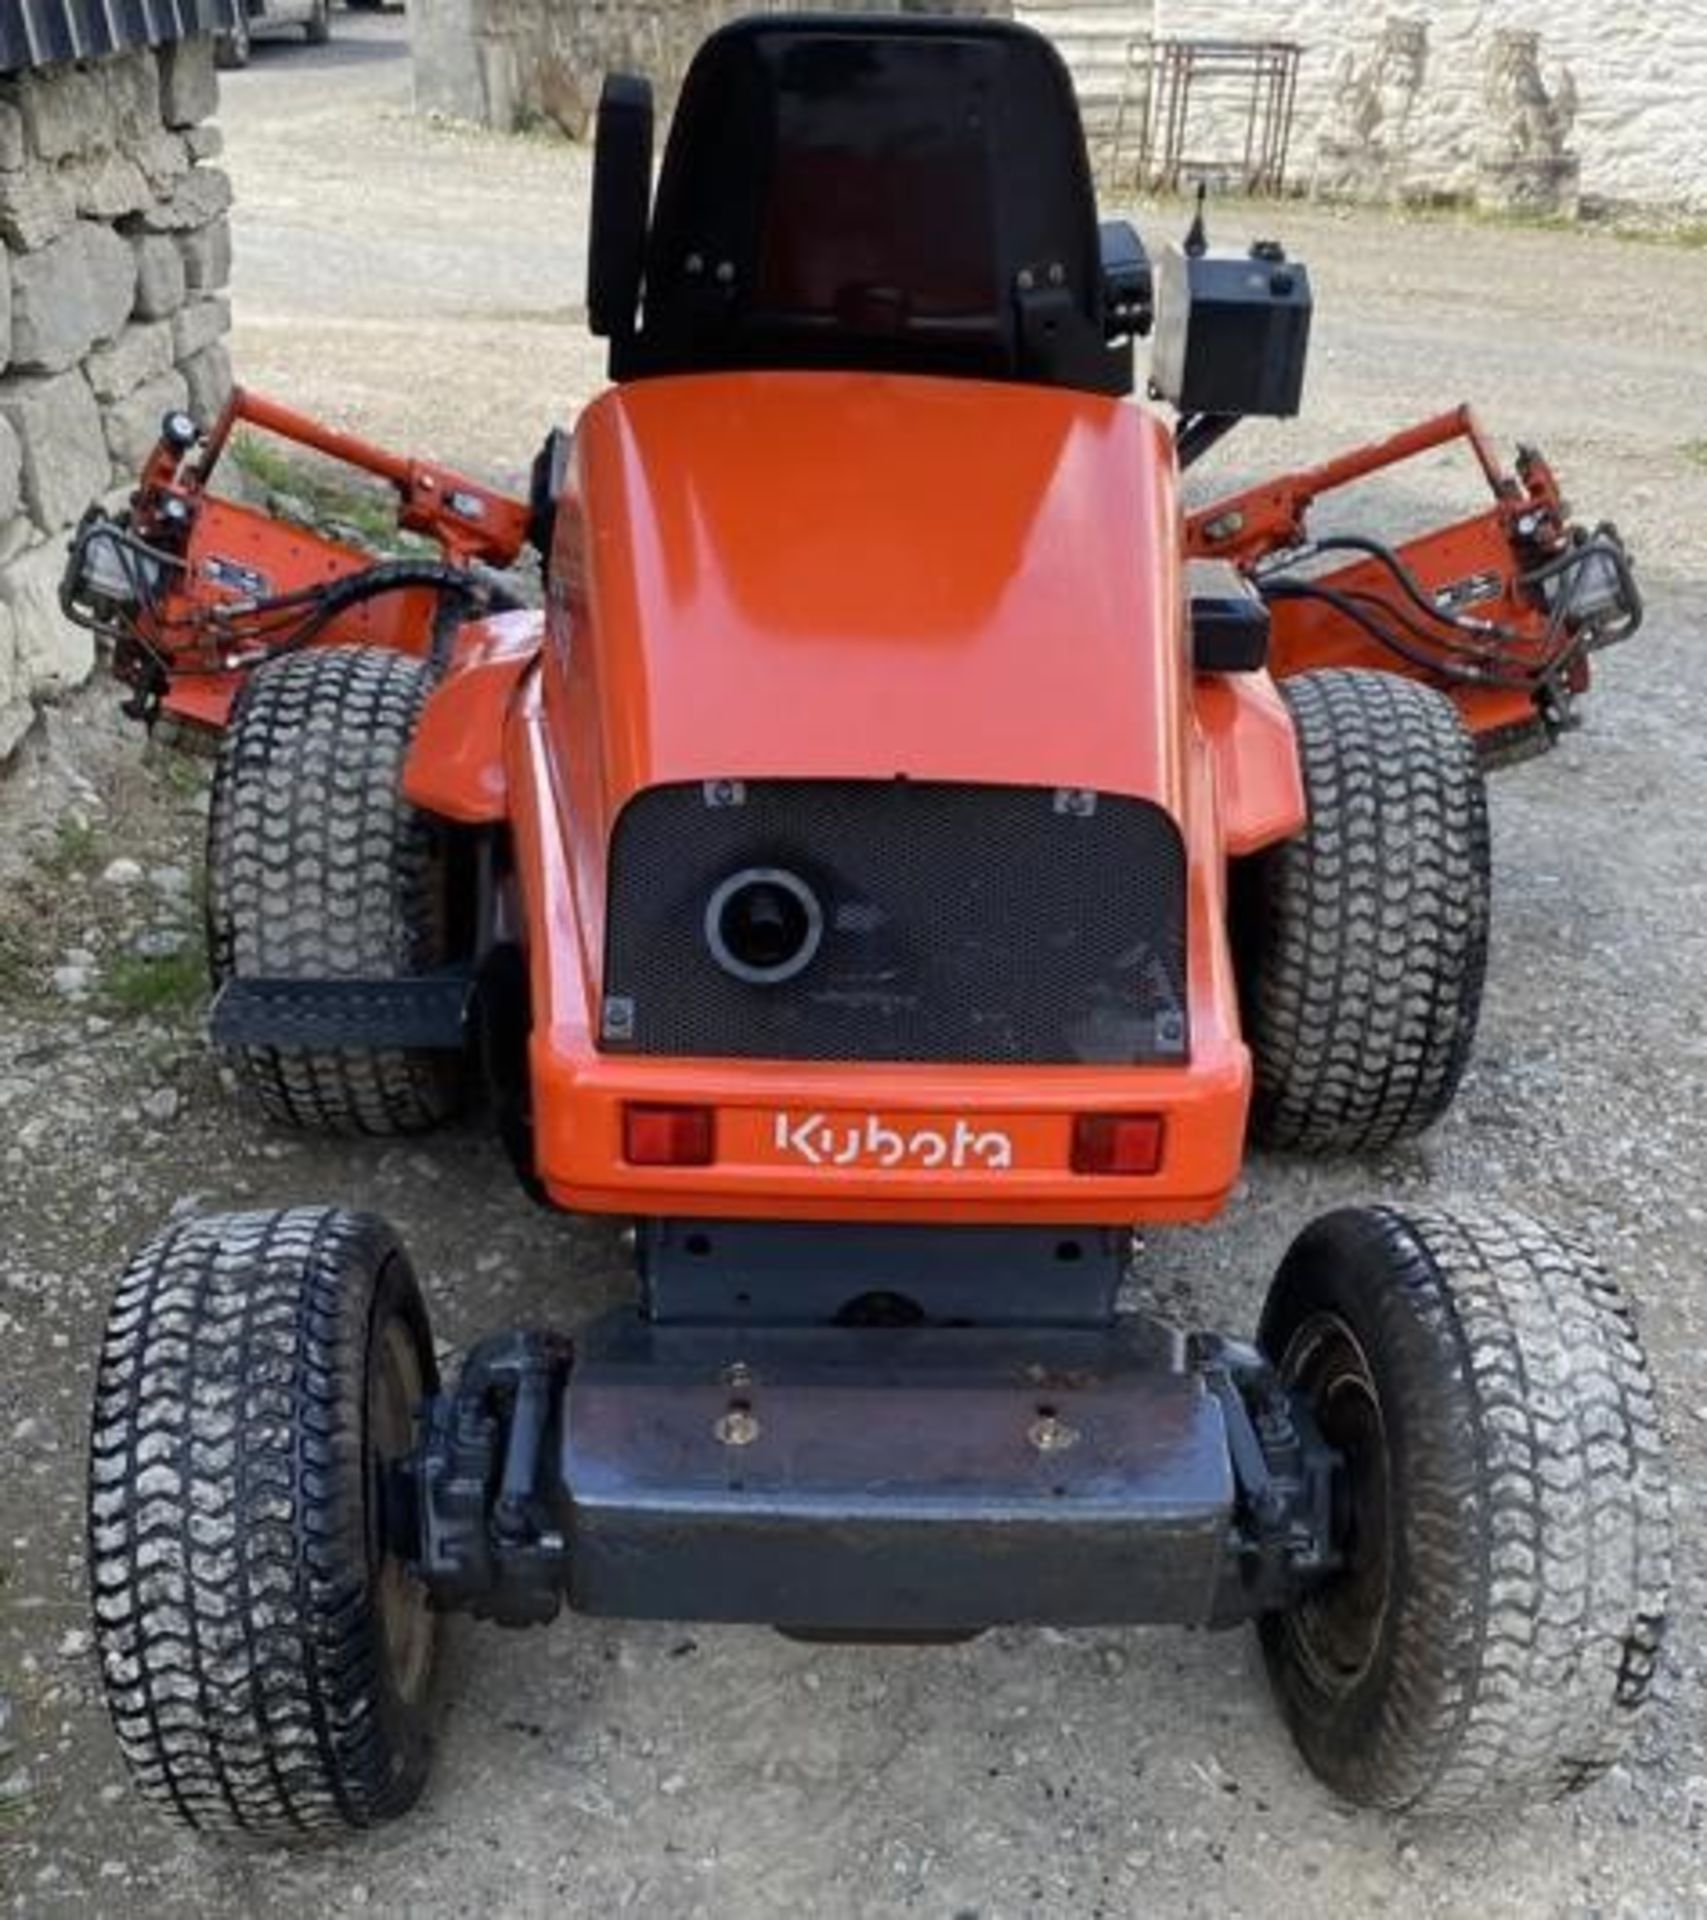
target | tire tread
x=1538, y=1547
x=319, y=869
x=1364, y=940
x=233, y=1613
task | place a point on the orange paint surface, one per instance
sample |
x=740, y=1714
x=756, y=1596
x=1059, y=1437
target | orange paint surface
x=735, y=595
x=456, y=758
x=852, y=575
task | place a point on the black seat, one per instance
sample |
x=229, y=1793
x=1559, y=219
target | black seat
x=871, y=194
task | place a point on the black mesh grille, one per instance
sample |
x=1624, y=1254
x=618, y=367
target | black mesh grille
x=961, y=923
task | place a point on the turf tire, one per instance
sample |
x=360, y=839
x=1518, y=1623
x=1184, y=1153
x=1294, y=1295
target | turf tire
x=1494, y=1636
x=318, y=868
x=1362, y=943
x=267, y=1665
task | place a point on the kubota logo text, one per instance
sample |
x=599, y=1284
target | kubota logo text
x=821, y=1140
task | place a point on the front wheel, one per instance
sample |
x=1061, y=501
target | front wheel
x=1493, y=1632
x=267, y=1657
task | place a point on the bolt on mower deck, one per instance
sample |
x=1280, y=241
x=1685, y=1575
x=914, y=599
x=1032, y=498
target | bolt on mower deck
x=905, y=852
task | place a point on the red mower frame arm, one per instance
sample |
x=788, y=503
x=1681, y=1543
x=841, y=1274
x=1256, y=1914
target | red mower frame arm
x=1270, y=516
x=191, y=588
x=473, y=524
x=1500, y=608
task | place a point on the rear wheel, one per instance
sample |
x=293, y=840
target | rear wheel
x=318, y=868
x=318, y=29
x=1494, y=1632
x=268, y=1660
x=1362, y=943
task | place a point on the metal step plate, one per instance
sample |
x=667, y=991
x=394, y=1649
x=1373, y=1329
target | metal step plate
x=429, y=1013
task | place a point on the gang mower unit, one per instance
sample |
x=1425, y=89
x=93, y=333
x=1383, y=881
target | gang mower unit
x=906, y=851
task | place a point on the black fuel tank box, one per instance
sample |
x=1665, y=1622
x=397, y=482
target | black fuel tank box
x=1232, y=332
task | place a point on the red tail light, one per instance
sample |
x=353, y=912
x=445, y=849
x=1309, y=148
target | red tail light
x=1117, y=1143
x=668, y=1136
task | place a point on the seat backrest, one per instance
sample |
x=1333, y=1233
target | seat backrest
x=871, y=194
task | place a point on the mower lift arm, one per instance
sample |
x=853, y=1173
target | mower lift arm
x=1270, y=517
x=1499, y=609
x=472, y=523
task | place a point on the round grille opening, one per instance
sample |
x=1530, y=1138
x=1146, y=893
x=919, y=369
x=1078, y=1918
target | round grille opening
x=763, y=925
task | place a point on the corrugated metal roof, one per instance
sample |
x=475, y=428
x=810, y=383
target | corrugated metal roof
x=35, y=32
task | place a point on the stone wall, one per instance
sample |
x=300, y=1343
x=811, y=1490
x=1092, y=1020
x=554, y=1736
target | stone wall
x=514, y=64
x=113, y=311
x=1639, y=72
x=1632, y=132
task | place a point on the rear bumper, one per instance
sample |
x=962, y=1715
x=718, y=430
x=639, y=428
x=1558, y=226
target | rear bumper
x=901, y=1480
x=580, y=1095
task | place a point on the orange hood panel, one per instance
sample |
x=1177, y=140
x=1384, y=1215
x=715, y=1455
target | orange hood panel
x=845, y=576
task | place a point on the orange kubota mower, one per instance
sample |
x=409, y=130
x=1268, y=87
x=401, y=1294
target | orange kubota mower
x=890, y=866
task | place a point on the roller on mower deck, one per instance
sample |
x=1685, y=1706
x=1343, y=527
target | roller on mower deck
x=906, y=852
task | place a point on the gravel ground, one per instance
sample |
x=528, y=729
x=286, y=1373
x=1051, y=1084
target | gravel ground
x=423, y=284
